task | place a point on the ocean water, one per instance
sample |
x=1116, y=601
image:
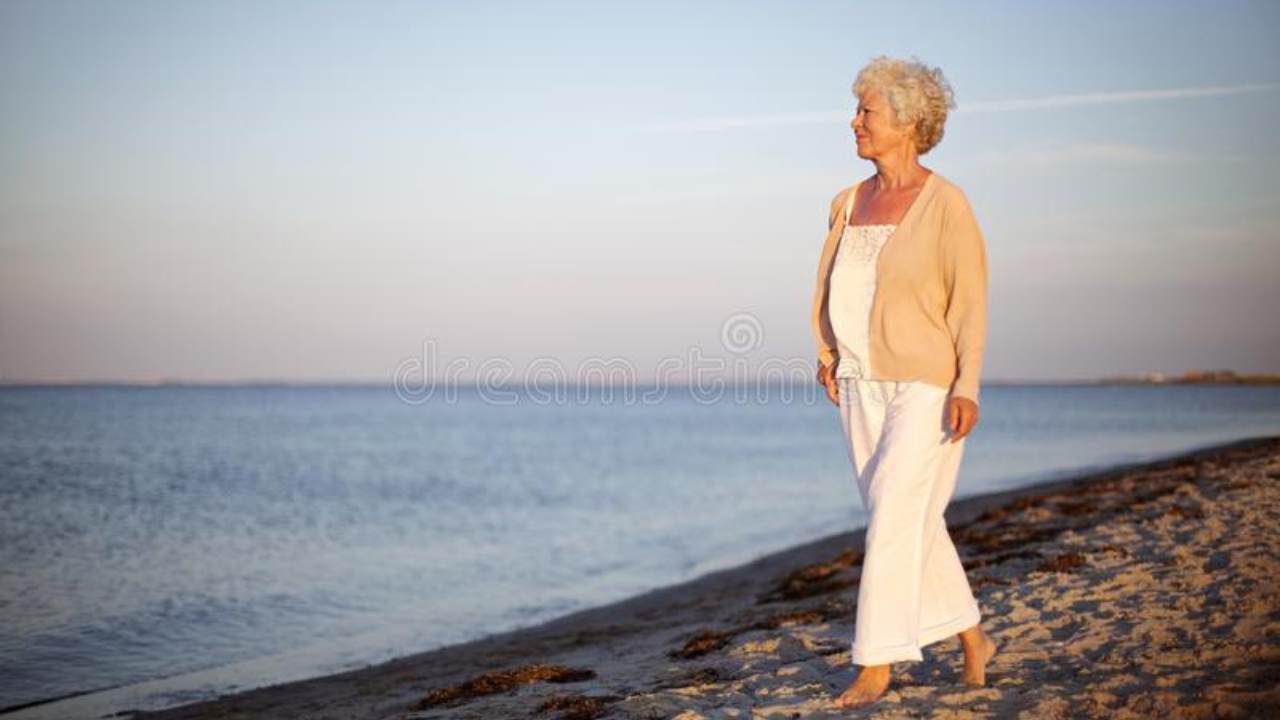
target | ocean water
x=161, y=545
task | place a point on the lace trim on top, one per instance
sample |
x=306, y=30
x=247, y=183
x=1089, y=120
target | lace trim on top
x=865, y=242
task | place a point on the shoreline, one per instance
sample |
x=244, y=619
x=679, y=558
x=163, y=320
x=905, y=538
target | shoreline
x=638, y=655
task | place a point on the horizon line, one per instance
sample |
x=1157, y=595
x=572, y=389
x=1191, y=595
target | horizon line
x=1166, y=378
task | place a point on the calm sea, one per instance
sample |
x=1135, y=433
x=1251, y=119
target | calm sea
x=162, y=545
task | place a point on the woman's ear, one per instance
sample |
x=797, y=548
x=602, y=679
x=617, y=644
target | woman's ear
x=910, y=129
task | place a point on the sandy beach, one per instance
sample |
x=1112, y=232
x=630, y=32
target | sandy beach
x=1143, y=591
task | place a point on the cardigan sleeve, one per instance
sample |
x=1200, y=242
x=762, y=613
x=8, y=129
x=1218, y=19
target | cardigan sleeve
x=837, y=204
x=964, y=266
x=827, y=353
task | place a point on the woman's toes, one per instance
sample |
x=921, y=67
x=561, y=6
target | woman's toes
x=864, y=691
x=851, y=700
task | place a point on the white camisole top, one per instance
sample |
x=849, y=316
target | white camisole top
x=853, y=285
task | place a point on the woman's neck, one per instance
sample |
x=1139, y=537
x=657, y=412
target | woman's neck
x=899, y=172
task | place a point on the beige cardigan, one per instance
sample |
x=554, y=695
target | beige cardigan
x=929, y=312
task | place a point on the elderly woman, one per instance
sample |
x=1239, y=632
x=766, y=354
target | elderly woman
x=900, y=320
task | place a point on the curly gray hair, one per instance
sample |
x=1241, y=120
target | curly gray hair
x=915, y=91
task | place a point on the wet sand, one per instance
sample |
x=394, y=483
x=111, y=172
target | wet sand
x=1144, y=591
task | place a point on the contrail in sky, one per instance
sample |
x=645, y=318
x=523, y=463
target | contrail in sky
x=1052, y=101
x=1055, y=101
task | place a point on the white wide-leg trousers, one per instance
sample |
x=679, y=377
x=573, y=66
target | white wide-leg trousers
x=913, y=590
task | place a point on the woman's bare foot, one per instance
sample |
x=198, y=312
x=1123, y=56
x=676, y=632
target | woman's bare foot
x=979, y=648
x=871, y=683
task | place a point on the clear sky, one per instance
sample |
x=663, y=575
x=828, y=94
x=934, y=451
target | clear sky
x=313, y=190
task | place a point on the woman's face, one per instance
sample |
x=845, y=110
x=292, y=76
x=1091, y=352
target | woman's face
x=874, y=127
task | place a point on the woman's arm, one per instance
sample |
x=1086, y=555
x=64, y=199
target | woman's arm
x=827, y=353
x=964, y=266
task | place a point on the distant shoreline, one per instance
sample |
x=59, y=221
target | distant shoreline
x=1196, y=377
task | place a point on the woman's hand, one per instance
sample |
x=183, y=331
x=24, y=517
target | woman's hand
x=962, y=415
x=826, y=376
